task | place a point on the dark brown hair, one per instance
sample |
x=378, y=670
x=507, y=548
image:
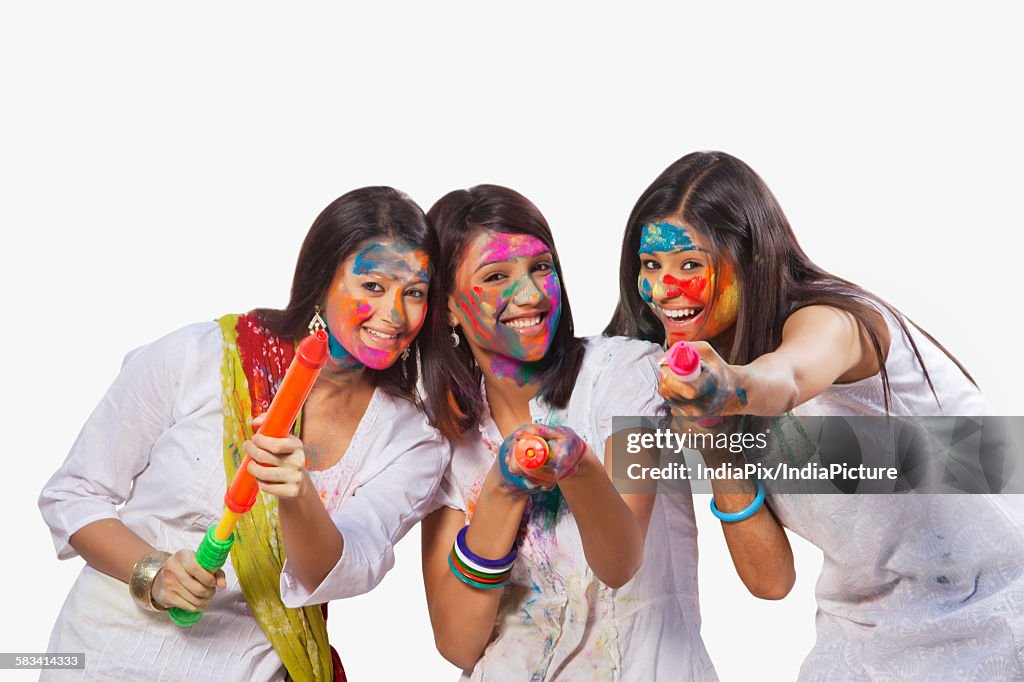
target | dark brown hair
x=450, y=376
x=731, y=206
x=369, y=213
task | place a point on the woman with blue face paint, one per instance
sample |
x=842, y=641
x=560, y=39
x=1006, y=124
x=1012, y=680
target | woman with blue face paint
x=147, y=475
x=543, y=572
x=913, y=586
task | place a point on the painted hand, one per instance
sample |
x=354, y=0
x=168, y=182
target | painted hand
x=716, y=392
x=183, y=583
x=279, y=465
x=565, y=450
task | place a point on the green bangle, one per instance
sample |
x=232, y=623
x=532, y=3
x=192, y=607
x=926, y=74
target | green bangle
x=473, y=572
x=469, y=581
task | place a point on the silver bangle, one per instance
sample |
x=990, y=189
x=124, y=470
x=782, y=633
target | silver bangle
x=140, y=584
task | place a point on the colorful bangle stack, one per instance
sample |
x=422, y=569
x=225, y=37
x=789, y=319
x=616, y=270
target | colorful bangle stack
x=475, y=571
x=750, y=510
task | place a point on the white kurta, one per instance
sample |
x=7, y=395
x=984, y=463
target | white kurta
x=556, y=619
x=151, y=455
x=913, y=587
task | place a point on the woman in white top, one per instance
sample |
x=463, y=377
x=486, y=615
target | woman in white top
x=149, y=469
x=571, y=600
x=913, y=586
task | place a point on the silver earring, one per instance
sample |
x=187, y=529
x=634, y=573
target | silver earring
x=405, y=354
x=317, y=323
x=455, y=338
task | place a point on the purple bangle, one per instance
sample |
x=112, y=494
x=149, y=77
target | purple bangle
x=503, y=562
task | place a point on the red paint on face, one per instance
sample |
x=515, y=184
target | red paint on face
x=693, y=287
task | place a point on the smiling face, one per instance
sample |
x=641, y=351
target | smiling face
x=376, y=304
x=679, y=280
x=507, y=298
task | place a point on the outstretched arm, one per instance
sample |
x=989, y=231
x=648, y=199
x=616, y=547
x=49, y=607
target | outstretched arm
x=820, y=346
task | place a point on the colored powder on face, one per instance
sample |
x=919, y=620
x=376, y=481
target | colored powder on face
x=399, y=260
x=398, y=309
x=345, y=315
x=693, y=288
x=508, y=246
x=483, y=309
x=727, y=302
x=646, y=292
x=664, y=237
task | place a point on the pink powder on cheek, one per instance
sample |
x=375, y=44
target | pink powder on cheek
x=363, y=311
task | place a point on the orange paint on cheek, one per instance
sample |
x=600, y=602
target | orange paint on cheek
x=727, y=303
x=361, y=310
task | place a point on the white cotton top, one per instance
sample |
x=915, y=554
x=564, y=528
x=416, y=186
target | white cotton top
x=556, y=619
x=152, y=456
x=913, y=587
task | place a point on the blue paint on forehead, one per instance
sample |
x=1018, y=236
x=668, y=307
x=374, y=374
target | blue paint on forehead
x=664, y=237
x=386, y=260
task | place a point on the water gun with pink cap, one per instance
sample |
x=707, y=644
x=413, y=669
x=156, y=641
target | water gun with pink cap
x=684, y=361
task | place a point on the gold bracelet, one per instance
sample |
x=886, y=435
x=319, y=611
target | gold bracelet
x=140, y=584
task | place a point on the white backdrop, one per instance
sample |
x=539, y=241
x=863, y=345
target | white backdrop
x=161, y=165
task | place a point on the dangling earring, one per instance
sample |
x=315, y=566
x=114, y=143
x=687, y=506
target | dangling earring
x=405, y=354
x=317, y=323
x=455, y=338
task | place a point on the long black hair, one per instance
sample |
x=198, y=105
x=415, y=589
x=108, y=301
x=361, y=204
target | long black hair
x=732, y=208
x=451, y=377
x=368, y=213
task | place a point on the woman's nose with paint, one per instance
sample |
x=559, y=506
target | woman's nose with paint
x=393, y=309
x=669, y=287
x=527, y=293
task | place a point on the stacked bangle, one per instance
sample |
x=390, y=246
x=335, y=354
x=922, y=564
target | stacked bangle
x=475, y=571
x=746, y=513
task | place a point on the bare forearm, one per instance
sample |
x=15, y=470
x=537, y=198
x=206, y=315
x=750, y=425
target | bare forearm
x=769, y=385
x=312, y=542
x=110, y=547
x=758, y=545
x=612, y=537
x=463, y=616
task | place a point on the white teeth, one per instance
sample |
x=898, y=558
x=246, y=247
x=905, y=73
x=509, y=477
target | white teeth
x=680, y=314
x=380, y=335
x=523, y=322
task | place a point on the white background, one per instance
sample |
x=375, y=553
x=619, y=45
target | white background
x=161, y=166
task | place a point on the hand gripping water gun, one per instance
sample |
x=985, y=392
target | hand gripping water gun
x=684, y=361
x=310, y=356
x=529, y=452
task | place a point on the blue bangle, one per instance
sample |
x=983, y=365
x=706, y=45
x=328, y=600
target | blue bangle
x=733, y=517
x=503, y=562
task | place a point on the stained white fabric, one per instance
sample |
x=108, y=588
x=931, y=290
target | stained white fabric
x=913, y=587
x=151, y=455
x=557, y=621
